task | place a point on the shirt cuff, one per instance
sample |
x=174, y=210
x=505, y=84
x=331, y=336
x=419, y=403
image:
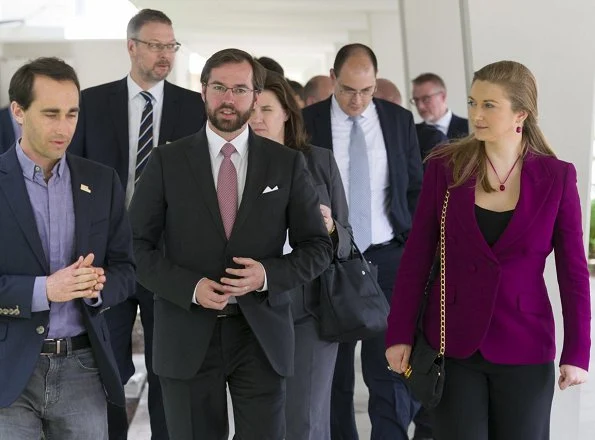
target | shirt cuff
x=40, y=301
x=194, y=301
x=265, y=286
x=94, y=302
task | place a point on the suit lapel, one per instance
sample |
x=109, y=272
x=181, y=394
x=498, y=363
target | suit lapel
x=391, y=145
x=171, y=109
x=12, y=183
x=255, y=179
x=119, y=110
x=200, y=162
x=536, y=184
x=81, y=200
x=322, y=125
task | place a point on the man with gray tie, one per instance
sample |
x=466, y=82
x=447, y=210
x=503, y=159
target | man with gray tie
x=376, y=149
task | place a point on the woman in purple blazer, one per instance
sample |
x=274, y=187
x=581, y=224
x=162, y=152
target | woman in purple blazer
x=511, y=203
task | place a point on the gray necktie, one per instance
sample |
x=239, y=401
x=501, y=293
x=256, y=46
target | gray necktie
x=359, y=186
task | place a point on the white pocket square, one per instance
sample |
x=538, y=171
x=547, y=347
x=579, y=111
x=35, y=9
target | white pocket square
x=268, y=189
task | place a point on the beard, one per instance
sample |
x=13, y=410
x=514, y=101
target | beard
x=225, y=125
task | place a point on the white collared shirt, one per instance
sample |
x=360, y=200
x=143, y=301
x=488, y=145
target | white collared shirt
x=136, y=104
x=377, y=159
x=443, y=123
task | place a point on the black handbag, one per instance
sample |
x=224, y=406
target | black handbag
x=352, y=304
x=425, y=374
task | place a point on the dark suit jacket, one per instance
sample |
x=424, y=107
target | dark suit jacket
x=102, y=129
x=176, y=198
x=101, y=227
x=329, y=187
x=404, y=161
x=458, y=128
x=496, y=296
x=429, y=137
x=7, y=137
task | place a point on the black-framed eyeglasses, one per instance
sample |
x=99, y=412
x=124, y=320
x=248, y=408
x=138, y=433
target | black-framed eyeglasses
x=424, y=99
x=220, y=89
x=160, y=47
x=367, y=92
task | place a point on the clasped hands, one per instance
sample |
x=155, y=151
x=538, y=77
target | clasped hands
x=79, y=280
x=398, y=361
x=214, y=295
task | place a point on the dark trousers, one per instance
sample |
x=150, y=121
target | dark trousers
x=423, y=425
x=484, y=401
x=390, y=406
x=196, y=409
x=120, y=320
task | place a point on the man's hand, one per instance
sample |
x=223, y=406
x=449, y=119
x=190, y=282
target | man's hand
x=249, y=279
x=327, y=216
x=88, y=262
x=571, y=375
x=72, y=282
x=207, y=294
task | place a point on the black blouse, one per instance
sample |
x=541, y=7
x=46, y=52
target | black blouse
x=492, y=223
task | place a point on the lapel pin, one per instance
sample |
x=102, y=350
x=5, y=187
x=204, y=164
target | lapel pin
x=85, y=188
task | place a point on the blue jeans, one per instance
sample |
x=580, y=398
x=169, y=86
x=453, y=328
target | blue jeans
x=64, y=399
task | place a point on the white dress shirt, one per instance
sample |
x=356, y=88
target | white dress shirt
x=240, y=160
x=443, y=123
x=382, y=230
x=136, y=104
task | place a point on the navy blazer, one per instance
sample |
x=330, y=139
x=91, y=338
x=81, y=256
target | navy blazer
x=7, y=137
x=402, y=150
x=428, y=137
x=101, y=227
x=102, y=129
x=458, y=128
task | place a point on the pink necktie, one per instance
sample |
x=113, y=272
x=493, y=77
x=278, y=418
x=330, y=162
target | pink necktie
x=227, y=189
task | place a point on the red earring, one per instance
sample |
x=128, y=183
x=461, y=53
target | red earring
x=519, y=129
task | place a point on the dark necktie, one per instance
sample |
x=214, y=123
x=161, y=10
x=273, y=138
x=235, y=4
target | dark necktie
x=145, y=136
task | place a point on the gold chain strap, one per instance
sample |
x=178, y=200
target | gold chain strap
x=443, y=275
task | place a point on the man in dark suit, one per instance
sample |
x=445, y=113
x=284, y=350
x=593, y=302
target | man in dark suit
x=10, y=130
x=120, y=123
x=66, y=258
x=376, y=148
x=429, y=97
x=222, y=307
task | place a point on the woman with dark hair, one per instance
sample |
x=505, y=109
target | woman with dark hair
x=510, y=202
x=276, y=116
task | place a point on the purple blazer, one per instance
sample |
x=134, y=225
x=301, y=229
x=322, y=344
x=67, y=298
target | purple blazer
x=496, y=297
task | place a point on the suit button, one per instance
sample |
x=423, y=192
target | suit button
x=40, y=330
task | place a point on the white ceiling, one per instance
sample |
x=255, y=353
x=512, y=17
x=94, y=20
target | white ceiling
x=303, y=35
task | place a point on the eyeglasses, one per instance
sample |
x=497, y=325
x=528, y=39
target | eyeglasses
x=220, y=89
x=367, y=92
x=160, y=47
x=424, y=99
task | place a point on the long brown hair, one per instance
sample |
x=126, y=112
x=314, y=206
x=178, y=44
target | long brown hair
x=294, y=133
x=467, y=156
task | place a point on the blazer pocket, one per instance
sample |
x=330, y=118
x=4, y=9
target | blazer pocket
x=534, y=305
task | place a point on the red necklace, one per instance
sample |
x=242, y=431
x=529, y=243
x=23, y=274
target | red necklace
x=502, y=182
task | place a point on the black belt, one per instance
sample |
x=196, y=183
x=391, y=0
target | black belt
x=229, y=310
x=399, y=240
x=60, y=345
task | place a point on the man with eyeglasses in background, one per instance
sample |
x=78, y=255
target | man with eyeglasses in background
x=429, y=97
x=119, y=125
x=375, y=145
x=223, y=200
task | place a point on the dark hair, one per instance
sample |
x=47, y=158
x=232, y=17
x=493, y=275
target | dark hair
x=467, y=156
x=429, y=77
x=297, y=88
x=295, y=134
x=234, y=56
x=20, y=89
x=271, y=64
x=143, y=17
x=352, y=49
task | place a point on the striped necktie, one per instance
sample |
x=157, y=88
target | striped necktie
x=227, y=189
x=145, y=136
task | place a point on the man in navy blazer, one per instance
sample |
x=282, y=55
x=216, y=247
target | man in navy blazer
x=109, y=132
x=395, y=174
x=66, y=257
x=9, y=130
x=429, y=97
